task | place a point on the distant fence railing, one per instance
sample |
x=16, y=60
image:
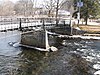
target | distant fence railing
x=7, y=24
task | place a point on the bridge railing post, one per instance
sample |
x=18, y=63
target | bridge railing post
x=20, y=24
x=64, y=22
x=43, y=23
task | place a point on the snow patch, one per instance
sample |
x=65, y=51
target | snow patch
x=96, y=66
x=97, y=73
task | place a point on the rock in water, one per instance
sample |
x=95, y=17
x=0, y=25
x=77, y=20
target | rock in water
x=97, y=73
x=11, y=43
x=53, y=48
x=96, y=66
x=16, y=44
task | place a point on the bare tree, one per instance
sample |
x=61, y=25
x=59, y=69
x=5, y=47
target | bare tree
x=7, y=8
x=57, y=8
x=24, y=7
x=56, y=5
x=49, y=6
x=68, y=5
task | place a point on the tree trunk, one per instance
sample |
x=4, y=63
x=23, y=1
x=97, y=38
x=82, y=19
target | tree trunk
x=57, y=12
x=86, y=20
x=49, y=13
x=86, y=17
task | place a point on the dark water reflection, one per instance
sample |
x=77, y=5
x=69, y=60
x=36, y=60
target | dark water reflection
x=53, y=63
x=24, y=61
x=32, y=62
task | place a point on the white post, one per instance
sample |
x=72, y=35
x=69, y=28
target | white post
x=78, y=17
x=46, y=40
x=71, y=12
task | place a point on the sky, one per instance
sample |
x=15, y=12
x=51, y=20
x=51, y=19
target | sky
x=38, y=2
x=14, y=0
x=10, y=0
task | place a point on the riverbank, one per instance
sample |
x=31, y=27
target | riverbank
x=90, y=28
x=70, y=59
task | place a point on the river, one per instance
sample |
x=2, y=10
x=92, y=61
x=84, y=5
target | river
x=74, y=57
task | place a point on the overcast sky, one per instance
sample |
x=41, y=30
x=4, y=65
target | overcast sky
x=14, y=0
x=38, y=2
x=10, y=0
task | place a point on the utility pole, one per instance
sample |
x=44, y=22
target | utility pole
x=79, y=5
x=78, y=14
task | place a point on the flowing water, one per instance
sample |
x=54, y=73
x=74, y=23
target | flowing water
x=24, y=61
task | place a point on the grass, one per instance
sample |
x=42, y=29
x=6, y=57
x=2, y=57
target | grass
x=89, y=28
